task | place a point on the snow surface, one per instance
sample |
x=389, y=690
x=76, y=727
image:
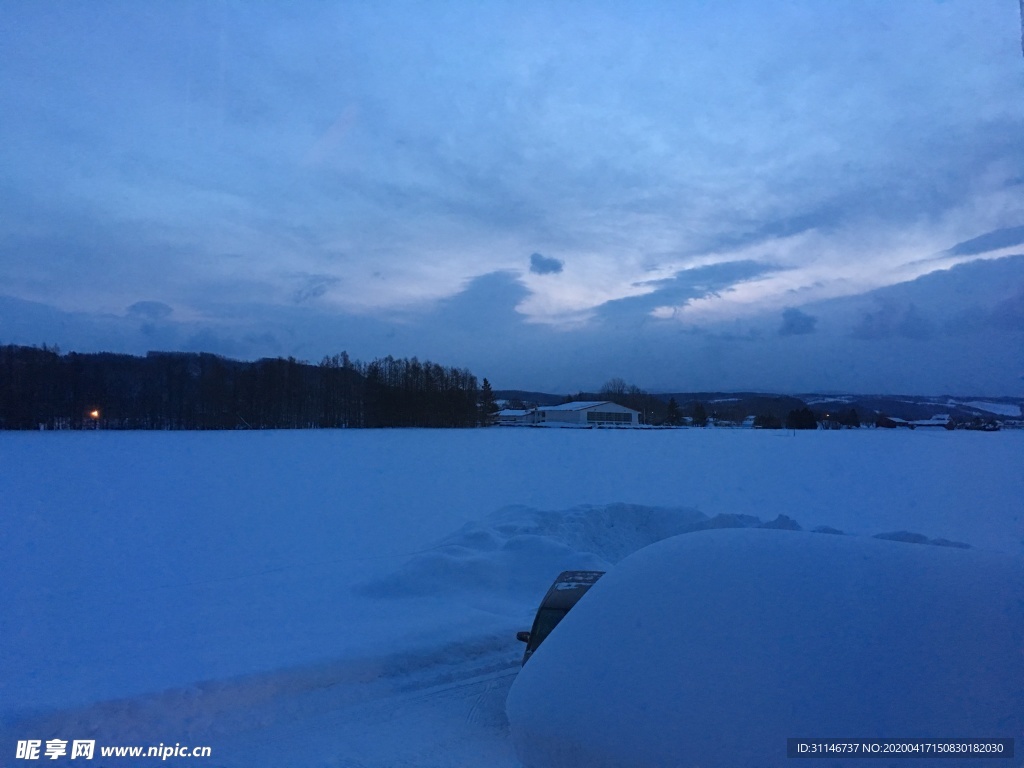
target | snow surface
x=712, y=648
x=836, y=399
x=298, y=598
x=1003, y=409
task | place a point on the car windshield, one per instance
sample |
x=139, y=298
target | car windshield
x=547, y=619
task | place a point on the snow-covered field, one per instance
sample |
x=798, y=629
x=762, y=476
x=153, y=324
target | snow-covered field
x=350, y=598
x=1001, y=409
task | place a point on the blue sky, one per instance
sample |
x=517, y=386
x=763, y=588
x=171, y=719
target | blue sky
x=789, y=196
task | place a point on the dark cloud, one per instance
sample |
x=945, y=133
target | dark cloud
x=891, y=320
x=874, y=325
x=685, y=285
x=796, y=323
x=701, y=281
x=209, y=340
x=820, y=216
x=313, y=287
x=150, y=310
x=914, y=325
x=1009, y=313
x=990, y=241
x=265, y=341
x=544, y=265
x=488, y=299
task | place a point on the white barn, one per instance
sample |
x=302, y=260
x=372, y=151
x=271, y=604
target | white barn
x=587, y=414
x=511, y=417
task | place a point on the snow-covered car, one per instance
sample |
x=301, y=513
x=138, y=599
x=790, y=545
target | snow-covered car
x=718, y=648
x=563, y=594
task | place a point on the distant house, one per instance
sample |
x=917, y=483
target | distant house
x=512, y=417
x=942, y=420
x=590, y=413
x=891, y=422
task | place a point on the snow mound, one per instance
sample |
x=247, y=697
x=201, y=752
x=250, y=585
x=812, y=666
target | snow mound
x=920, y=538
x=518, y=549
x=712, y=649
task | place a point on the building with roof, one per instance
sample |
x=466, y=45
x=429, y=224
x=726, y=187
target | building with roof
x=588, y=413
x=513, y=417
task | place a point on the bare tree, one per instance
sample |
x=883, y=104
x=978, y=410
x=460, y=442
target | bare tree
x=614, y=387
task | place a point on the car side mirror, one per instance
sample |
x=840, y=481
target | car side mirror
x=523, y=637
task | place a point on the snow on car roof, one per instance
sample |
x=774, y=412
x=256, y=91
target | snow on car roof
x=737, y=650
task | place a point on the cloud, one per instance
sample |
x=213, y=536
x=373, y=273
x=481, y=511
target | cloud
x=150, y=310
x=875, y=325
x=369, y=203
x=665, y=294
x=990, y=241
x=914, y=325
x=313, y=287
x=892, y=320
x=544, y=265
x=796, y=323
x=1009, y=313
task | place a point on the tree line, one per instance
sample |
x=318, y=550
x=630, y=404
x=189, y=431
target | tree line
x=769, y=411
x=42, y=389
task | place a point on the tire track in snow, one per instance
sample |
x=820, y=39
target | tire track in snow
x=440, y=706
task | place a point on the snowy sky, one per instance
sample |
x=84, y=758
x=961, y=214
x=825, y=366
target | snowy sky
x=792, y=196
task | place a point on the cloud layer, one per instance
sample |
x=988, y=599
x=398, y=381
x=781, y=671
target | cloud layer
x=657, y=173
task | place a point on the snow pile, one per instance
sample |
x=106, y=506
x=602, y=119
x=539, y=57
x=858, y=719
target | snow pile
x=713, y=648
x=518, y=549
x=918, y=538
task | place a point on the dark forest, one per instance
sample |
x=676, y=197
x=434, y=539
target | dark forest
x=43, y=389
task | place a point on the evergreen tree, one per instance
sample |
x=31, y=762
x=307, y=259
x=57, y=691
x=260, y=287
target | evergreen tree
x=488, y=408
x=185, y=390
x=801, y=419
x=767, y=421
x=672, y=416
x=699, y=415
x=849, y=418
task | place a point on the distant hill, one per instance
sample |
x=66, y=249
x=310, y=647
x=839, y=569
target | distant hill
x=912, y=407
x=736, y=406
x=527, y=397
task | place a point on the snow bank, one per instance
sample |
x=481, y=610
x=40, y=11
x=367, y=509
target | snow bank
x=713, y=648
x=518, y=549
